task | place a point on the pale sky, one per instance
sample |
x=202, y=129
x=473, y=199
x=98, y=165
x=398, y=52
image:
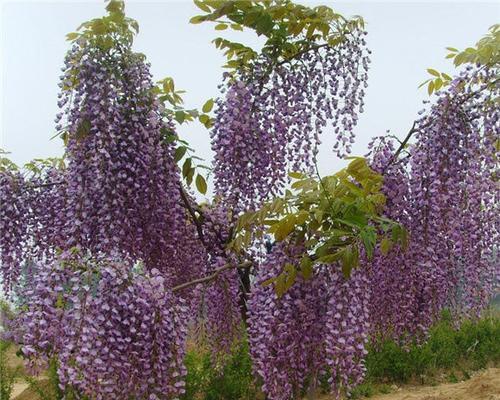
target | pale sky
x=405, y=37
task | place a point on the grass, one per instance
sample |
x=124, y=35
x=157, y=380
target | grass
x=208, y=379
x=8, y=373
x=449, y=355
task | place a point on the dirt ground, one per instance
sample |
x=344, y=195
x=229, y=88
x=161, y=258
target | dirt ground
x=484, y=385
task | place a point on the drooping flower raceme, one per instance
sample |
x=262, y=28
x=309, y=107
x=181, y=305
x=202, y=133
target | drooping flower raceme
x=444, y=194
x=115, y=331
x=318, y=326
x=270, y=120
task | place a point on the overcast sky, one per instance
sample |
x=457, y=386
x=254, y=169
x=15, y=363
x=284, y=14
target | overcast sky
x=406, y=38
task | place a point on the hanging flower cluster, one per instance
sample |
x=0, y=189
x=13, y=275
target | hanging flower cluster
x=393, y=276
x=319, y=326
x=104, y=244
x=453, y=195
x=445, y=194
x=270, y=121
x=118, y=199
x=222, y=308
x=347, y=327
x=101, y=321
x=122, y=182
x=13, y=225
x=285, y=333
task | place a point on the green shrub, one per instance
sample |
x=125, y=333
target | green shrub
x=474, y=344
x=8, y=375
x=230, y=381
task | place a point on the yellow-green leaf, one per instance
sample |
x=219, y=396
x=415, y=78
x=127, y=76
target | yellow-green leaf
x=202, y=6
x=306, y=268
x=385, y=246
x=207, y=107
x=197, y=19
x=296, y=175
x=201, y=184
x=72, y=36
x=433, y=72
x=430, y=87
x=179, y=153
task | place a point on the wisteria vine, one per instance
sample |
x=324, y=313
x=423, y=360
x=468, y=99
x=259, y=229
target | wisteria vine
x=111, y=260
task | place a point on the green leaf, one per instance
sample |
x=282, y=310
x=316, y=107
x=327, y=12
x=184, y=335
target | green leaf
x=404, y=238
x=220, y=27
x=433, y=72
x=72, y=36
x=306, y=268
x=83, y=129
x=180, y=116
x=207, y=107
x=202, y=6
x=179, y=153
x=99, y=27
x=264, y=24
x=201, y=184
x=430, y=87
x=385, y=246
x=331, y=258
x=115, y=6
x=189, y=176
x=197, y=19
x=186, y=167
x=369, y=238
x=296, y=175
x=279, y=285
x=290, y=276
x=204, y=119
x=347, y=262
x=269, y=281
x=438, y=83
x=284, y=228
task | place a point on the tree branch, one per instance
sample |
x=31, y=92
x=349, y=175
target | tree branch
x=401, y=146
x=214, y=275
x=192, y=212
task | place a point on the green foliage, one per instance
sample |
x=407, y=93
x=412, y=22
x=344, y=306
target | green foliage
x=334, y=218
x=438, y=80
x=49, y=389
x=5, y=163
x=474, y=344
x=233, y=380
x=290, y=29
x=8, y=375
x=112, y=31
x=363, y=390
x=486, y=52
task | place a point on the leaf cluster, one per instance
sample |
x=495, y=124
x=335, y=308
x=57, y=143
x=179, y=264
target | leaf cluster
x=336, y=219
x=6, y=165
x=290, y=29
x=485, y=53
x=110, y=31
